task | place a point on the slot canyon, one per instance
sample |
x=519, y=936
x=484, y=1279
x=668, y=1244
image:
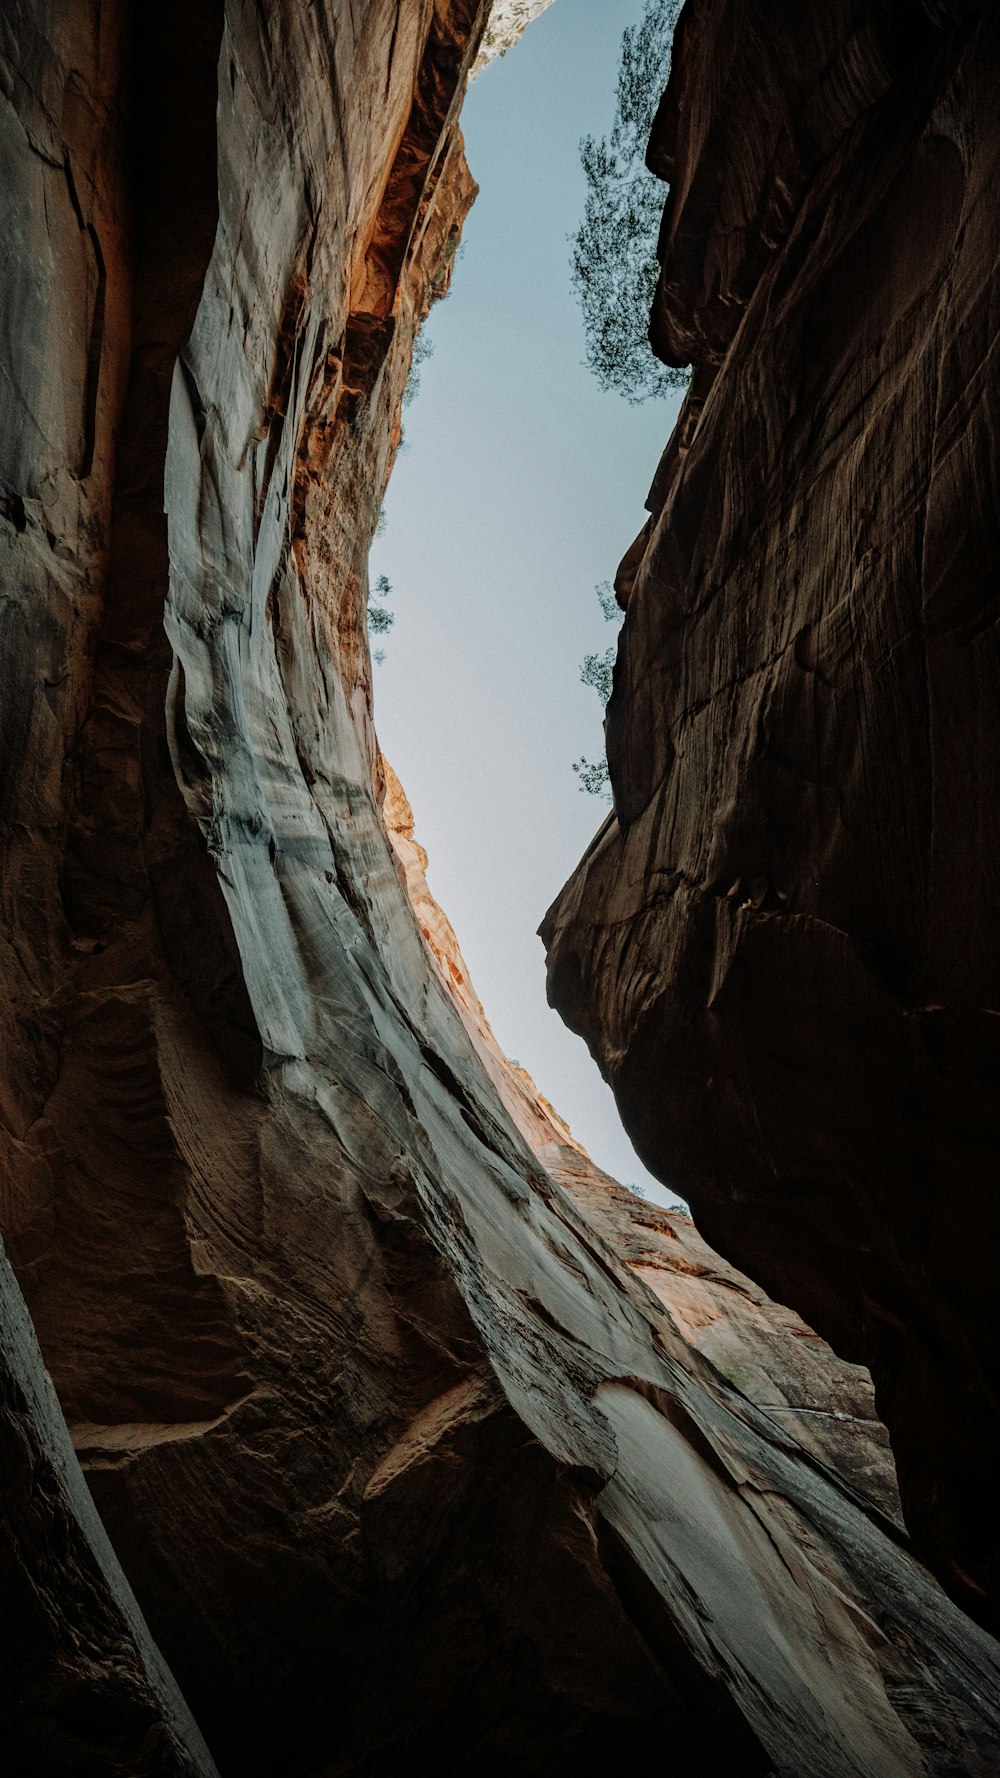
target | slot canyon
x=353, y=1422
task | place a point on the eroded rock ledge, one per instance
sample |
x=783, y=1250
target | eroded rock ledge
x=408, y=1465
x=783, y=947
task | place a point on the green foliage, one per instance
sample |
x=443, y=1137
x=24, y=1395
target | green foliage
x=438, y=289
x=380, y=618
x=642, y=75
x=423, y=348
x=451, y=253
x=594, y=778
x=733, y=1375
x=597, y=670
x=613, y=261
x=609, y=604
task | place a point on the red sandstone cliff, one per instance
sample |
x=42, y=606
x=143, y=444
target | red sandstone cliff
x=408, y=1466
x=783, y=947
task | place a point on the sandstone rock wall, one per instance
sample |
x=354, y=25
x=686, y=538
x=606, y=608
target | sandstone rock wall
x=763, y=1349
x=82, y=1686
x=782, y=948
x=407, y=1465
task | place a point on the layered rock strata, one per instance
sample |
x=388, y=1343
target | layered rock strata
x=782, y=946
x=409, y=1468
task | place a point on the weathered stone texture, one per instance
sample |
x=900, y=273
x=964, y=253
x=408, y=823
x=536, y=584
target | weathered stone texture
x=409, y=1468
x=83, y=1689
x=783, y=947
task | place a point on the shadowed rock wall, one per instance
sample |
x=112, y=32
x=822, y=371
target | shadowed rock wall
x=82, y=1687
x=409, y=1468
x=783, y=946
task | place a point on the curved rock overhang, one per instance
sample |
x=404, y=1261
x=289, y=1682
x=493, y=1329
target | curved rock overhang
x=405, y=1456
x=783, y=952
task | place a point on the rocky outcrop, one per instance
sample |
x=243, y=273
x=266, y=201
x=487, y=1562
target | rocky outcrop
x=408, y=1466
x=782, y=946
x=761, y=1348
x=825, y=1405
x=507, y=20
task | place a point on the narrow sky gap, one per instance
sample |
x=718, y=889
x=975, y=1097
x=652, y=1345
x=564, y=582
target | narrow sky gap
x=514, y=495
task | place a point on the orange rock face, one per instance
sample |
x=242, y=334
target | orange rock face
x=783, y=949
x=409, y=1468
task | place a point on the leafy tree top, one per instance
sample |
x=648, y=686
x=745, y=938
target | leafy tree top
x=613, y=258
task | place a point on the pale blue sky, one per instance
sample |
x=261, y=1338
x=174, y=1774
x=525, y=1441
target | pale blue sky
x=519, y=488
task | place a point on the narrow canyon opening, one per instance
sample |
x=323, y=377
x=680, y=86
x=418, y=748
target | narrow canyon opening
x=353, y=1420
x=516, y=488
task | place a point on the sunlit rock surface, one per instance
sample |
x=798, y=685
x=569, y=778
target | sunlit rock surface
x=783, y=946
x=760, y=1347
x=408, y=1466
x=504, y=26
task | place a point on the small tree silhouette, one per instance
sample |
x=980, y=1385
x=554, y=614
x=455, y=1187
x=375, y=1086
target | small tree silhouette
x=613, y=261
x=380, y=618
x=597, y=670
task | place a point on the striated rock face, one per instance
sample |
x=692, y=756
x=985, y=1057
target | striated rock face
x=409, y=1467
x=782, y=947
x=761, y=1348
x=826, y=1405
